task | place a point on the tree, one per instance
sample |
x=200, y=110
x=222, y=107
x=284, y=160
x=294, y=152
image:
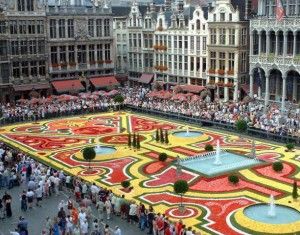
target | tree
x=295, y=190
x=277, y=166
x=162, y=157
x=157, y=136
x=166, y=137
x=138, y=144
x=129, y=140
x=234, y=179
x=119, y=99
x=134, y=141
x=209, y=147
x=161, y=136
x=125, y=184
x=181, y=187
x=241, y=125
x=89, y=154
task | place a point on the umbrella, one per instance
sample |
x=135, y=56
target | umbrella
x=21, y=101
x=112, y=93
x=98, y=92
x=195, y=98
x=34, y=100
x=84, y=95
x=94, y=97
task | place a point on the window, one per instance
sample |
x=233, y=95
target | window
x=21, y=5
x=222, y=61
x=70, y=28
x=30, y=5
x=213, y=60
x=81, y=54
x=204, y=44
x=32, y=47
x=99, y=52
x=40, y=27
x=231, y=62
x=230, y=17
x=22, y=26
x=42, y=68
x=53, y=51
x=175, y=42
x=292, y=7
x=106, y=28
x=3, y=48
x=33, y=68
x=198, y=43
x=244, y=62
x=2, y=27
x=52, y=28
x=213, y=36
x=14, y=47
x=41, y=47
x=99, y=27
x=25, y=70
x=62, y=28
x=244, y=36
x=16, y=69
x=107, y=51
x=13, y=27
x=31, y=27
x=231, y=36
x=222, y=17
x=186, y=44
x=222, y=36
x=192, y=43
x=203, y=64
x=71, y=54
x=198, y=25
x=91, y=27
x=23, y=45
x=62, y=54
x=92, y=53
x=215, y=17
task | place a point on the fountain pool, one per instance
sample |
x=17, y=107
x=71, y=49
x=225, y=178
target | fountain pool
x=187, y=134
x=205, y=164
x=104, y=150
x=284, y=214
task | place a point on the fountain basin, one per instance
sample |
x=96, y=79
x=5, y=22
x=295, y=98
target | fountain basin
x=190, y=134
x=104, y=150
x=284, y=214
x=206, y=163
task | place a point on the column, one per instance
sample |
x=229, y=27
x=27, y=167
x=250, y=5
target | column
x=295, y=88
x=268, y=42
x=283, y=94
x=251, y=85
x=235, y=94
x=226, y=91
x=285, y=34
x=259, y=92
x=295, y=44
x=276, y=43
x=251, y=43
x=76, y=56
x=267, y=92
x=259, y=42
x=88, y=55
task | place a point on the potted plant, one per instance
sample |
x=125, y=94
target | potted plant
x=211, y=71
x=241, y=125
x=234, y=179
x=277, y=166
x=221, y=72
x=230, y=72
x=126, y=186
x=209, y=147
x=119, y=99
x=89, y=154
x=162, y=157
x=181, y=187
x=289, y=147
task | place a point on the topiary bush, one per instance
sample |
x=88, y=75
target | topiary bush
x=162, y=157
x=209, y=147
x=290, y=146
x=295, y=190
x=234, y=179
x=277, y=166
x=181, y=187
x=89, y=154
x=241, y=125
x=125, y=184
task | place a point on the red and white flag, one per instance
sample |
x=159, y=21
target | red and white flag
x=279, y=10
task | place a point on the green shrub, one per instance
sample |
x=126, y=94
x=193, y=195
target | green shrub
x=209, y=147
x=277, y=166
x=290, y=146
x=234, y=179
x=125, y=184
x=295, y=190
x=241, y=125
x=162, y=157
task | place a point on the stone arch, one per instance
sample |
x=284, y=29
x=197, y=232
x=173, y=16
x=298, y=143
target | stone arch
x=275, y=83
x=292, y=85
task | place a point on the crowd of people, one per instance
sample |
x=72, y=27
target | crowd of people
x=269, y=119
x=75, y=214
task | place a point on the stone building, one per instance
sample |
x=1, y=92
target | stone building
x=23, y=57
x=227, y=49
x=275, y=53
x=80, y=44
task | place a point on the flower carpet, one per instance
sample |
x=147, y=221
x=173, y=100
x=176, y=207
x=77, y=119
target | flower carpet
x=210, y=201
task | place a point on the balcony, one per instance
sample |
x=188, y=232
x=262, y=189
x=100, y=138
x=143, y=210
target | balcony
x=271, y=59
x=263, y=22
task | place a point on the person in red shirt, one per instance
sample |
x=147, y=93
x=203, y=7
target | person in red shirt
x=160, y=225
x=178, y=227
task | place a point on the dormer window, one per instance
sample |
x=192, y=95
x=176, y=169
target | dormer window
x=215, y=17
x=230, y=17
x=198, y=25
x=25, y=5
x=222, y=17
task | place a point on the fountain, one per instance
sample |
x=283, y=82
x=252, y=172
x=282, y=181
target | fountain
x=272, y=207
x=98, y=148
x=187, y=131
x=217, y=158
x=253, y=150
x=104, y=150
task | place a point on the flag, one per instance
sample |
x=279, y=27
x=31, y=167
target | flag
x=279, y=10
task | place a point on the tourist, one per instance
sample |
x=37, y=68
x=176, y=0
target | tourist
x=108, y=208
x=7, y=199
x=84, y=227
x=117, y=231
x=100, y=208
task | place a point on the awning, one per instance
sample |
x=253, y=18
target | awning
x=100, y=82
x=67, y=86
x=246, y=88
x=191, y=88
x=28, y=87
x=146, y=78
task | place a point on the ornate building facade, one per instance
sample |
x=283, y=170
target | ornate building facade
x=275, y=53
x=227, y=50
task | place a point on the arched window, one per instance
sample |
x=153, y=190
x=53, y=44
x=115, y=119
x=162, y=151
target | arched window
x=160, y=22
x=198, y=25
x=21, y=5
x=30, y=5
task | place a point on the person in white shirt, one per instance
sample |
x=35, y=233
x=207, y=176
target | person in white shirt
x=84, y=227
x=82, y=216
x=133, y=212
x=39, y=195
x=108, y=208
x=117, y=231
x=69, y=225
